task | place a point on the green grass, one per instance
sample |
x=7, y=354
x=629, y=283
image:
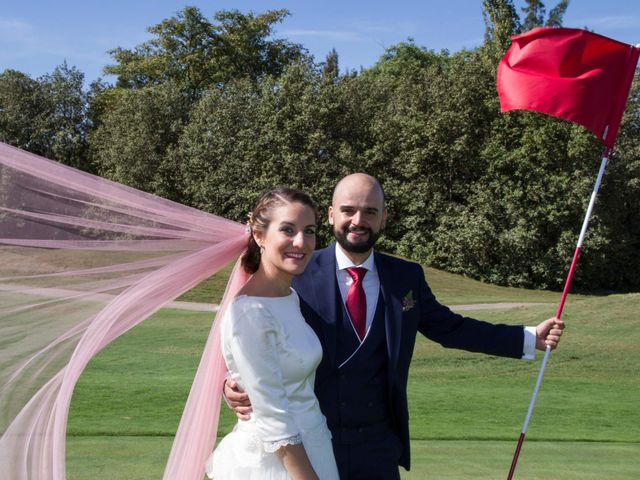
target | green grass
x=466, y=409
x=451, y=290
x=211, y=290
x=142, y=458
x=589, y=390
x=485, y=460
x=456, y=290
x=117, y=457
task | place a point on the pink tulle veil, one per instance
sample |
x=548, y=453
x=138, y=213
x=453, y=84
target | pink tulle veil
x=82, y=261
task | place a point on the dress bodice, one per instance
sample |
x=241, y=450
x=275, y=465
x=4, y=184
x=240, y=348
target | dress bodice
x=272, y=353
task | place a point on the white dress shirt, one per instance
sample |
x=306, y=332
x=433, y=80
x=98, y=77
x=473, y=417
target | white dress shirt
x=370, y=283
x=371, y=287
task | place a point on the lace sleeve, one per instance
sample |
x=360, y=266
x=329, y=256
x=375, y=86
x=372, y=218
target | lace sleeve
x=271, y=447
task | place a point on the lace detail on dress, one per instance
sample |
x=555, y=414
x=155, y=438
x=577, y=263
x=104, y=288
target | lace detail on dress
x=271, y=447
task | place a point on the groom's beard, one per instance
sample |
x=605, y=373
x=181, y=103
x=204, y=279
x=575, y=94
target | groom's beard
x=360, y=247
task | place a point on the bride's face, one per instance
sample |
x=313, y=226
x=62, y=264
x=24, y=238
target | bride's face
x=289, y=240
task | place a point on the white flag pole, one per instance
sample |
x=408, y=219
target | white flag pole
x=565, y=291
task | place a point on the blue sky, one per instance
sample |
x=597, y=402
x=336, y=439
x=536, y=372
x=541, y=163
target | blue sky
x=38, y=35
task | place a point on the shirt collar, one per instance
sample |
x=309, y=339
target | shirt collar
x=342, y=261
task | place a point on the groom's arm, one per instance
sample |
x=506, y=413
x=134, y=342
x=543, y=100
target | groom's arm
x=452, y=330
x=438, y=323
x=237, y=400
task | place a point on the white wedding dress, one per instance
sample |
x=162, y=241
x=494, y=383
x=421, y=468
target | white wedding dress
x=272, y=353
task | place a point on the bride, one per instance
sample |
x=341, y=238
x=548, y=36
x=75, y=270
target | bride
x=272, y=353
x=121, y=255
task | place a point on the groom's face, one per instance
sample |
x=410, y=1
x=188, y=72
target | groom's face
x=357, y=213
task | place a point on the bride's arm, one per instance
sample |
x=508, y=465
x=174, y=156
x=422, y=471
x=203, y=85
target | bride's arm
x=252, y=341
x=294, y=457
x=295, y=460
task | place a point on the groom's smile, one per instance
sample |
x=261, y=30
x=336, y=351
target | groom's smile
x=357, y=214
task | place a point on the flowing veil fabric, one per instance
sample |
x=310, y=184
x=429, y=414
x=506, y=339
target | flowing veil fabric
x=83, y=260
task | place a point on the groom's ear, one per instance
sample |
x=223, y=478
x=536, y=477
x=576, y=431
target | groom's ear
x=330, y=214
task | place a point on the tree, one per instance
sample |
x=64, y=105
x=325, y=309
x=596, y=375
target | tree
x=196, y=55
x=330, y=67
x=405, y=58
x=24, y=109
x=214, y=114
x=501, y=21
x=557, y=14
x=429, y=134
x=614, y=250
x=242, y=141
x=131, y=143
x=67, y=122
x=521, y=216
x=244, y=49
x=46, y=116
x=534, y=14
x=188, y=58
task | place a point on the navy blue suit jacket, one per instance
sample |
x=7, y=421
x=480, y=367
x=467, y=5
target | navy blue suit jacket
x=410, y=306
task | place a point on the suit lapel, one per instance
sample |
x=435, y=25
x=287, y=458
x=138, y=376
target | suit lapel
x=393, y=309
x=324, y=288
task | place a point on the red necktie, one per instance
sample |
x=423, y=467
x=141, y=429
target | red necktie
x=356, y=301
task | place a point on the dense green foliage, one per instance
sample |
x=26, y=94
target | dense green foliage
x=47, y=116
x=212, y=113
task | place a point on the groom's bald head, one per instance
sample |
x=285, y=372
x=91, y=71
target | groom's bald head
x=358, y=182
x=357, y=213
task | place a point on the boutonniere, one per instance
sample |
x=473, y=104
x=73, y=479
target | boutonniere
x=408, y=302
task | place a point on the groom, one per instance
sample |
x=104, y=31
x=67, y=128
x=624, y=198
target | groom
x=366, y=308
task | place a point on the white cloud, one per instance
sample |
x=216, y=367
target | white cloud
x=330, y=34
x=16, y=31
x=359, y=32
x=26, y=48
x=13, y=25
x=406, y=29
x=611, y=21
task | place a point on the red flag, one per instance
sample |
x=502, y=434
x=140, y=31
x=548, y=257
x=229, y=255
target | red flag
x=569, y=73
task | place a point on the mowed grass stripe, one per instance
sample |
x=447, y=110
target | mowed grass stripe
x=135, y=391
x=143, y=458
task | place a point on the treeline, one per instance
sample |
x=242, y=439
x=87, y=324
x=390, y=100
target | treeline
x=211, y=113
